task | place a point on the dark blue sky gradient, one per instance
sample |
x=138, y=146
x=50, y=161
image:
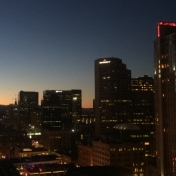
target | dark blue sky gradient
x=52, y=44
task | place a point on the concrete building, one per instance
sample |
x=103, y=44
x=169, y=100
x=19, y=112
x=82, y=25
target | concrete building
x=128, y=155
x=85, y=155
x=165, y=97
x=126, y=146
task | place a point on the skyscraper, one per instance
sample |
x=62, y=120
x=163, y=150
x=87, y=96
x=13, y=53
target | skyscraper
x=165, y=97
x=143, y=113
x=112, y=94
x=27, y=101
x=61, y=108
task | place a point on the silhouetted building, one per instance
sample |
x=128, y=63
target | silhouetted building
x=3, y=109
x=86, y=124
x=112, y=93
x=10, y=139
x=27, y=101
x=56, y=139
x=143, y=113
x=61, y=109
x=165, y=97
x=12, y=116
x=15, y=116
x=36, y=118
x=8, y=169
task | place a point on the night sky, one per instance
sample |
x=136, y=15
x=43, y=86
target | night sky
x=52, y=44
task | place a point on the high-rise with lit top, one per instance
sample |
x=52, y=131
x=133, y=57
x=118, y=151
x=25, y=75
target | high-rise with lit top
x=165, y=97
x=112, y=94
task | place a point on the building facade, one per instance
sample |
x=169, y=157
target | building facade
x=165, y=97
x=143, y=113
x=128, y=155
x=56, y=139
x=85, y=155
x=61, y=109
x=112, y=93
x=27, y=101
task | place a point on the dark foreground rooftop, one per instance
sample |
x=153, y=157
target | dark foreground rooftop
x=99, y=171
x=7, y=169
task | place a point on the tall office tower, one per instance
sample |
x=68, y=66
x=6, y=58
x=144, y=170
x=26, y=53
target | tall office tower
x=165, y=97
x=112, y=94
x=143, y=112
x=27, y=101
x=61, y=108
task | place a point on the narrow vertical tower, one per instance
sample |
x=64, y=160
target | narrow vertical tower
x=165, y=97
x=112, y=94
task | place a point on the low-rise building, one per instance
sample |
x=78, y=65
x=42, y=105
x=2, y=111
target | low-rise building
x=85, y=155
x=10, y=139
x=56, y=139
x=28, y=151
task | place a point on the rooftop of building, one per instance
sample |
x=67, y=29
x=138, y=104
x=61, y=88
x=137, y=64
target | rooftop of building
x=31, y=149
x=35, y=158
x=99, y=170
x=7, y=168
x=46, y=168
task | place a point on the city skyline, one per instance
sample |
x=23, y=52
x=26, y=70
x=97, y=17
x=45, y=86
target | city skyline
x=52, y=45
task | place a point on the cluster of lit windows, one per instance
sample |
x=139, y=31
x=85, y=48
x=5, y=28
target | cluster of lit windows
x=138, y=114
x=136, y=136
x=106, y=77
x=122, y=100
x=134, y=148
x=116, y=101
x=140, y=84
x=109, y=121
x=119, y=155
x=138, y=120
x=51, y=121
x=104, y=100
x=55, y=137
x=145, y=123
x=50, y=107
x=138, y=170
